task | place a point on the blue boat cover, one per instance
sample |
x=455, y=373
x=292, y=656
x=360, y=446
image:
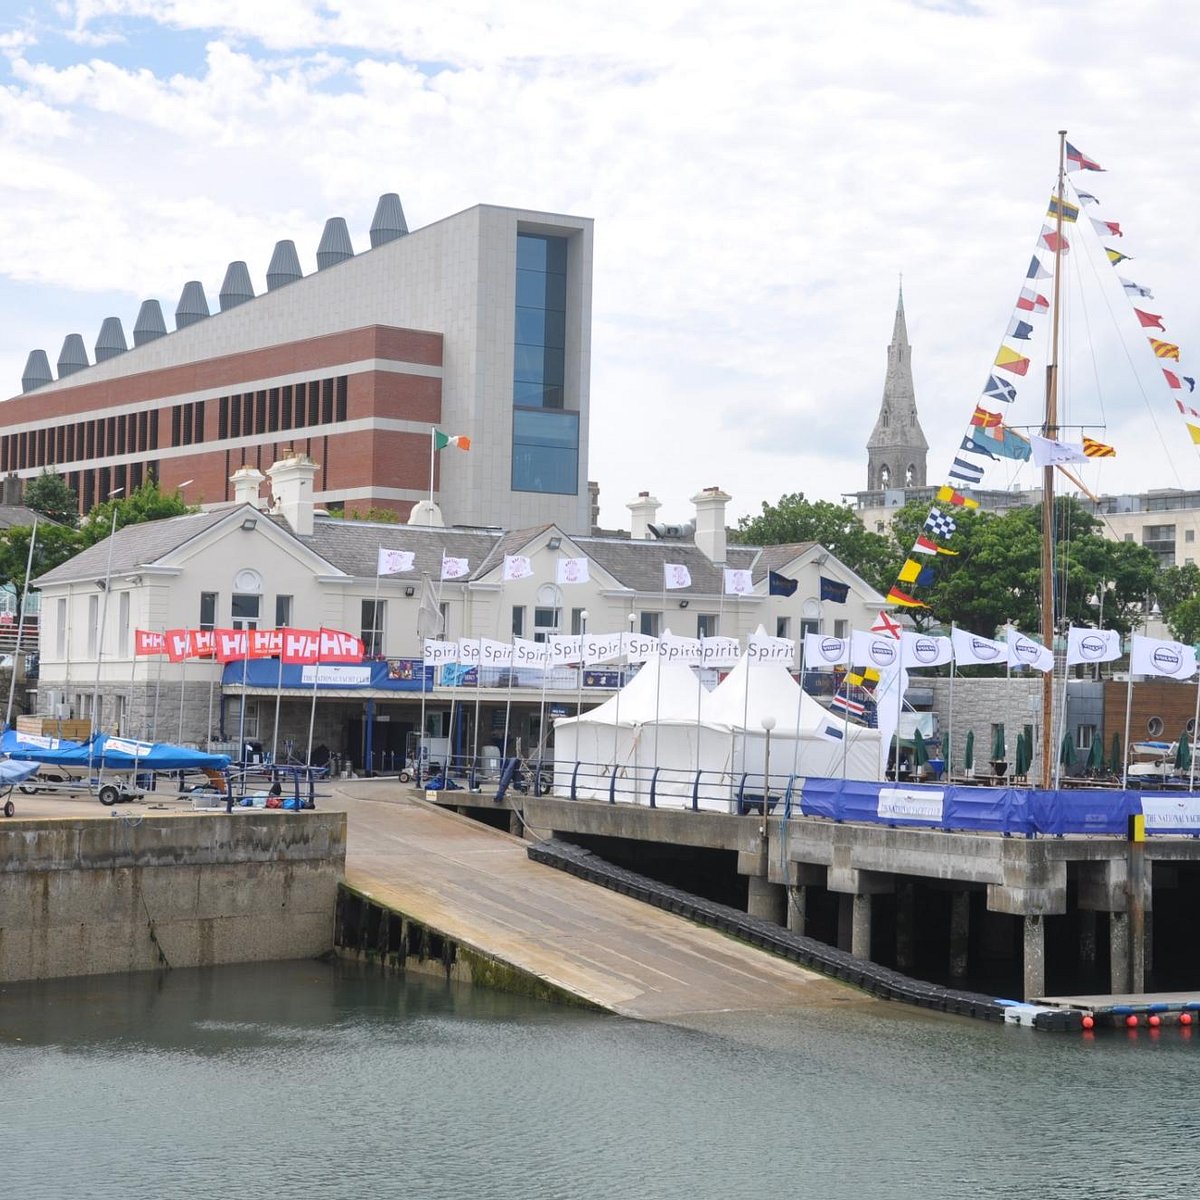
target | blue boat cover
x=105, y=752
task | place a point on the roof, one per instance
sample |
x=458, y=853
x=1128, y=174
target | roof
x=12, y=515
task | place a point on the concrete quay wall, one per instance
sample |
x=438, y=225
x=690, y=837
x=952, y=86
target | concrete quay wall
x=88, y=896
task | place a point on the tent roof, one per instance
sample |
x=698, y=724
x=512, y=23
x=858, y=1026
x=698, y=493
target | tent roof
x=677, y=699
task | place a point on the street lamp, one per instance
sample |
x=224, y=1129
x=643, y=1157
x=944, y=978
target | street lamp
x=583, y=620
x=768, y=723
x=632, y=619
x=105, y=587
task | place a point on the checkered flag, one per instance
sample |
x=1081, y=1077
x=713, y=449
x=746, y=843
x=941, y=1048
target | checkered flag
x=939, y=524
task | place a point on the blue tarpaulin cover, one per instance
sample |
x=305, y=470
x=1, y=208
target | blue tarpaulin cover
x=105, y=752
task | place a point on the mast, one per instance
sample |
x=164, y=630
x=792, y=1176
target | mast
x=1050, y=430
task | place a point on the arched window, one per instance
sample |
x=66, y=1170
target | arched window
x=910, y=473
x=885, y=419
x=885, y=476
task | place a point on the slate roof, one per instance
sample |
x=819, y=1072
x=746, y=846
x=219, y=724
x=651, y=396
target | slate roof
x=12, y=515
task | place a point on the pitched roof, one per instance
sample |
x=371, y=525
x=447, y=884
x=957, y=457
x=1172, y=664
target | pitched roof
x=12, y=515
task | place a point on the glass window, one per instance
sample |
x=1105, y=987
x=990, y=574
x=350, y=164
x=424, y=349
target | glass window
x=283, y=612
x=706, y=625
x=208, y=610
x=244, y=611
x=782, y=625
x=545, y=451
x=1085, y=736
x=1189, y=535
x=373, y=619
x=841, y=628
x=651, y=622
x=545, y=622
x=576, y=621
x=809, y=625
x=518, y=621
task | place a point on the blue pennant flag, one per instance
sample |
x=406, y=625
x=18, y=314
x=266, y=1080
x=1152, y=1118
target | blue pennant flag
x=927, y=577
x=973, y=446
x=965, y=472
x=1003, y=442
x=834, y=591
x=781, y=585
x=1020, y=329
x=1000, y=389
x=1190, y=382
x=1036, y=270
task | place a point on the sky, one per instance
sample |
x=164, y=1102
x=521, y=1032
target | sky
x=761, y=174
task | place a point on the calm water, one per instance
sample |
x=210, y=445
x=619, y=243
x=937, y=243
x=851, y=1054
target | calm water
x=320, y=1080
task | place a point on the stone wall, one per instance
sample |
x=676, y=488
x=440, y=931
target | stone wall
x=87, y=896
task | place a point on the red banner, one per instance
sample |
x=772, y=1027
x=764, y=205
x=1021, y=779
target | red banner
x=339, y=647
x=266, y=643
x=179, y=644
x=232, y=644
x=204, y=643
x=301, y=645
x=145, y=641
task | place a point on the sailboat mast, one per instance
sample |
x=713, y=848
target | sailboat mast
x=1050, y=430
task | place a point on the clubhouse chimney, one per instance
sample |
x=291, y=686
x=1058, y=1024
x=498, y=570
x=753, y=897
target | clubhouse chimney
x=643, y=510
x=710, y=522
x=292, y=486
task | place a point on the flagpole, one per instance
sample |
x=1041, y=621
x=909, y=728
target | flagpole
x=1192, y=738
x=949, y=750
x=1062, y=719
x=699, y=699
x=182, y=689
x=432, y=451
x=478, y=683
x=420, y=763
x=803, y=650
x=12, y=682
x=376, y=632
x=158, y=686
x=278, y=699
x=1007, y=697
x=312, y=712
x=900, y=704
x=132, y=674
x=1128, y=713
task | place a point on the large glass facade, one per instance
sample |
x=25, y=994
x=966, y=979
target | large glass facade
x=545, y=434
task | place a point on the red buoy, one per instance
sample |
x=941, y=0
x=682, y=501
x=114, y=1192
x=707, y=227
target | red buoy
x=1089, y=1022
x=1131, y=1021
x=1185, y=1018
x=1154, y=1021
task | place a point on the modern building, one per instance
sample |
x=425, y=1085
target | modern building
x=239, y=565
x=479, y=324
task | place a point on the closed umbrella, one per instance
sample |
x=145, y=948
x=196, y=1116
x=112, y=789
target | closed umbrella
x=998, y=744
x=1066, y=755
x=1183, y=752
x=920, y=750
x=1116, y=763
x=1095, y=761
x=1024, y=752
x=969, y=751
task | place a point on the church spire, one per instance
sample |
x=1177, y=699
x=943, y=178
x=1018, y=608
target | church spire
x=897, y=449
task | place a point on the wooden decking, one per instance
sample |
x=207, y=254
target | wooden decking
x=478, y=886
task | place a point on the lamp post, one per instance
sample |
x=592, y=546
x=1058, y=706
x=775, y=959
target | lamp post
x=632, y=618
x=104, y=587
x=1103, y=587
x=583, y=620
x=768, y=723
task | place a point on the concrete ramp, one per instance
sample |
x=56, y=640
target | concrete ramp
x=478, y=886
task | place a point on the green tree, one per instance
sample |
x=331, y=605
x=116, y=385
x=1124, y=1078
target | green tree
x=1185, y=620
x=50, y=495
x=835, y=526
x=1174, y=585
x=55, y=544
x=147, y=503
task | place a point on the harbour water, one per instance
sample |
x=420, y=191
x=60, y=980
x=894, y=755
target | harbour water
x=323, y=1080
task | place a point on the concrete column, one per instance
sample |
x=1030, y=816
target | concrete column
x=514, y=823
x=1087, y=938
x=1118, y=953
x=1035, y=958
x=845, y=921
x=797, y=909
x=960, y=932
x=860, y=929
x=767, y=900
x=906, y=926
x=1148, y=953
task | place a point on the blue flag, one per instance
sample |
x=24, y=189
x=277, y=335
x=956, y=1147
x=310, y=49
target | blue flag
x=1000, y=389
x=1022, y=330
x=1007, y=445
x=781, y=585
x=834, y=591
x=973, y=446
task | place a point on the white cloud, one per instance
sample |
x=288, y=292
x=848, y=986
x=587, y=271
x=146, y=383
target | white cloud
x=760, y=174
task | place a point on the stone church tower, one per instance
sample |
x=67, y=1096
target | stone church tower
x=897, y=449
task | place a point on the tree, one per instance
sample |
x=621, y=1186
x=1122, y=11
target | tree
x=1185, y=620
x=50, y=495
x=835, y=526
x=1174, y=585
x=147, y=503
x=55, y=544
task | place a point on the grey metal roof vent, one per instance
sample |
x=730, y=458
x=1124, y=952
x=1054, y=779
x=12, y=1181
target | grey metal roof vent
x=237, y=288
x=150, y=323
x=111, y=341
x=73, y=356
x=388, y=223
x=37, y=371
x=335, y=244
x=192, y=306
x=285, y=265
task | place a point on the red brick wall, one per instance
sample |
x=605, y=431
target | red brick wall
x=1174, y=703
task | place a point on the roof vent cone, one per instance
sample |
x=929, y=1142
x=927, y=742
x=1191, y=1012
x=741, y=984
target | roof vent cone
x=426, y=512
x=237, y=288
x=285, y=265
x=388, y=224
x=150, y=323
x=192, y=306
x=73, y=356
x=335, y=244
x=111, y=341
x=37, y=371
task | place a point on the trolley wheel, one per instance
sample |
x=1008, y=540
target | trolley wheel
x=28, y=789
x=9, y=808
x=405, y=777
x=109, y=795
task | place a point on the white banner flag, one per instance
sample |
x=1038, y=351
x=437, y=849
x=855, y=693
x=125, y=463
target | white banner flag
x=738, y=582
x=922, y=650
x=1154, y=656
x=571, y=570
x=565, y=648
x=640, y=647
x=679, y=649
x=1092, y=645
x=974, y=650
x=468, y=652
x=516, y=566
x=822, y=651
x=439, y=653
x=495, y=654
x=534, y=655
x=720, y=651
x=394, y=562
x=879, y=650
x=454, y=568
x=1048, y=452
x=762, y=649
x=602, y=647
x=676, y=575
x=1025, y=652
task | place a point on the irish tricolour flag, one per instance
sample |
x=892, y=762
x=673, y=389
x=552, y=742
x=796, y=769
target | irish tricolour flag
x=442, y=440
